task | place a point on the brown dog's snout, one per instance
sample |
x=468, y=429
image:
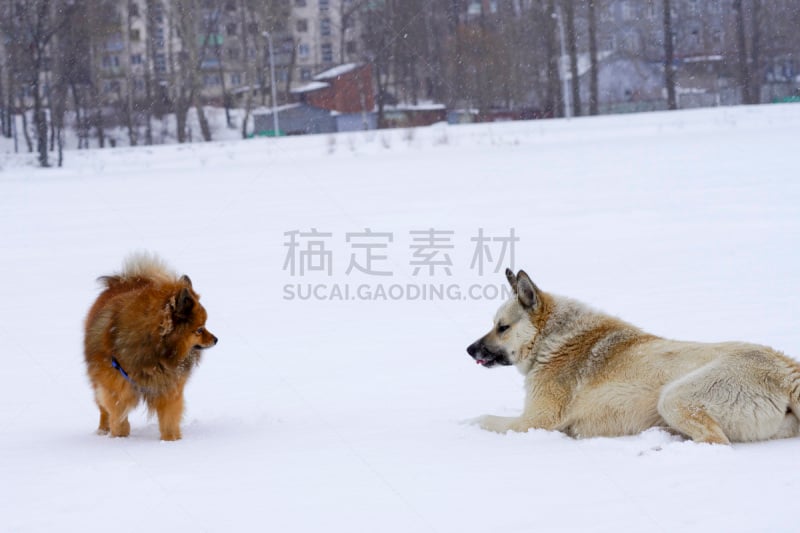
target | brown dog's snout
x=216, y=340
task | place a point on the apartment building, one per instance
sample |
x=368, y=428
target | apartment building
x=308, y=36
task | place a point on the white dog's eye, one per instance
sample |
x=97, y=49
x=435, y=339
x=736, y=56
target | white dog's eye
x=501, y=329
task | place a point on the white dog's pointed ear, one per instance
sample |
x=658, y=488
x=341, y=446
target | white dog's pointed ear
x=527, y=292
x=512, y=280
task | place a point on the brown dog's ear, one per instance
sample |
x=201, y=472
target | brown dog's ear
x=185, y=279
x=184, y=304
x=512, y=280
x=527, y=292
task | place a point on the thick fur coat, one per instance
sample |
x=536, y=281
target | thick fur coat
x=589, y=374
x=144, y=335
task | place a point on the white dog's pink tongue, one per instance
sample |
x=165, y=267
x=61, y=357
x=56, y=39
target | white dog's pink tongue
x=478, y=361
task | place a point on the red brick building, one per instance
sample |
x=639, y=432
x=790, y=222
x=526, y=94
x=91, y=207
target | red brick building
x=345, y=89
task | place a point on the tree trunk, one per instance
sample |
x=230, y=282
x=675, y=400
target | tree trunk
x=572, y=47
x=249, y=74
x=669, y=56
x=226, y=99
x=98, y=120
x=25, y=131
x=181, y=111
x=290, y=68
x=594, y=71
x=554, y=101
x=130, y=122
x=76, y=102
x=741, y=40
x=205, y=129
x=755, y=52
x=148, y=108
x=4, y=111
x=39, y=121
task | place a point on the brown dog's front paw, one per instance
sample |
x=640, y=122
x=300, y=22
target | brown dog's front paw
x=123, y=429
x=171, y=435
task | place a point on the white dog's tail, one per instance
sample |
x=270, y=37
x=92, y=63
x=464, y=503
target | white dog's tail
x=794, y=386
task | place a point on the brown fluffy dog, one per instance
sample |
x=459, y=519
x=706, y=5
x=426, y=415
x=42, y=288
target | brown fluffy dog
x=144, y=335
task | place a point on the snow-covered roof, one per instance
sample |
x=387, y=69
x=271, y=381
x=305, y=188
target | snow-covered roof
x=585, y=63
x=308, y=87
x=268, y=110
x=701, y=59
x=336, y=71
x=245, y=88
x=421, y=106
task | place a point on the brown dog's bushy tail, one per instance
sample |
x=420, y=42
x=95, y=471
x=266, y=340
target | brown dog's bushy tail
x=140, y=267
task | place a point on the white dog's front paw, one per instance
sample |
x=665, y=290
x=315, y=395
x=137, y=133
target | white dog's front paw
x=498, y=424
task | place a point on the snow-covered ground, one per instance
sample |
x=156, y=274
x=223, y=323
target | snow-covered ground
x=347, y=415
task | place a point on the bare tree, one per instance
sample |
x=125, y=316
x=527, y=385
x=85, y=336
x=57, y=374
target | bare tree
x=554, y=102
x=755, y=52
x=741, y=48
x=572, y=50
x=669, y=56
x=5, y=111
x=31, y=26
x=594, y=69
x=127, y=107
x=245, y=15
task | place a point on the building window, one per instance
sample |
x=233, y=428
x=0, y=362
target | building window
x=253, y=28
x=135, y=35
x=230, y=29
x=138, y=84
x=302, y=26
x=111, y=86
x=327, y=53
x=303, y=50
x=325, y=27
x=158, y=12
x=305, y=74
x=630, y=40
x=300, y=3
x=211, y=80
x=158, y=37
x=136, y=59
x=696, y=37
x=160, y=63
x=324, y=5
x=236, y=79
x=133, y=10
x=110, y=61
x=233, y=54
x=115, y=43
x=627, y=11
x=351, y=47
x=230, y=6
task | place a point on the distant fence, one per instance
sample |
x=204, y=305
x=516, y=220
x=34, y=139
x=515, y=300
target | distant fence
x=632, y=107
